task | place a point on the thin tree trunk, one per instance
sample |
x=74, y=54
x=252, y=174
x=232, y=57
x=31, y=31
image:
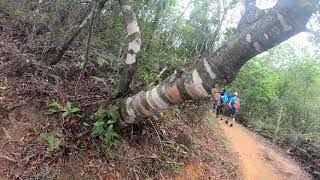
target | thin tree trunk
x=276, y=131
x=215, y=36
x=36, y=15
x=154, y=25
x=134, y=39
x=76, y=31
x=271, y=29
x=86, y=58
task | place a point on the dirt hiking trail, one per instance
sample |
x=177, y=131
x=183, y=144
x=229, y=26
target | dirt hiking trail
x=260, y=160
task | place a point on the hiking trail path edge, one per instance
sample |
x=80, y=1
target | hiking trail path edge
x=259, y=159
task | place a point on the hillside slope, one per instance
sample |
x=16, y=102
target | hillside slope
x=179, y=144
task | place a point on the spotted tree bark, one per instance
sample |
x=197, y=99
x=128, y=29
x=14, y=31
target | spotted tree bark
x=134, y=46
x=76, y=30
x=252, y=13
x=284, y=20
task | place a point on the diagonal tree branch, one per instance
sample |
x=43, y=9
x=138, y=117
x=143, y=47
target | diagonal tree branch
x=285, y=20
x=222, y=17
x=77, y=30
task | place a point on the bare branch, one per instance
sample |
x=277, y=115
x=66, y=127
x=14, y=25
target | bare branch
x=76, y=31
x=86, y=58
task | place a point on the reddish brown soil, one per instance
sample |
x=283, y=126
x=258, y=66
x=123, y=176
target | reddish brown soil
x=258, y=159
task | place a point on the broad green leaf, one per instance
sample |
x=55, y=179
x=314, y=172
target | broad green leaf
x=112, y=121
x=98, y=130
x=55, y=107
x=65, y=114
x=54, y=110
x=113, y=112
x=99, y=123
x=75, y=109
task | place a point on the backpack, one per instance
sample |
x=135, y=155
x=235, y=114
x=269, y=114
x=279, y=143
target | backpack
x=236, y=104
x=229, y=97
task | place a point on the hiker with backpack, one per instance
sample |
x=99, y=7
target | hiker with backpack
x=234, y=106
x=221, y=110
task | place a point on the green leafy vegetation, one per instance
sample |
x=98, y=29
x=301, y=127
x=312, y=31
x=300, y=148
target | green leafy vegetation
x=69, y=109
x=104, y=127
x=55, y=107
x=66, y=110
x=176, y=167
x=175, y=146
x=280, y=94
x=51, y=140
x=79, y=66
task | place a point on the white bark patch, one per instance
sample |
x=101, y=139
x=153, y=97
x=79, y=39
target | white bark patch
x=285, y=25
x=209, y=69
x=266, y=36
x=130, y=111
x=133, y=27
x=158, y=100
x=173, y=76
x=248, y=38
x=126, y=7
x=257, y=46
x=130, y=59
x=197, y=84
x=85, y=22
x=135, y=45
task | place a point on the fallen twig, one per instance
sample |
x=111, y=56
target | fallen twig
x=157, y=134
x=9, y=141
x=8, y=158
x=154, y=156
x=27, y=159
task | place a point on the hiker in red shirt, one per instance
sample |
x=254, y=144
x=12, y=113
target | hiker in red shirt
x=216, y=102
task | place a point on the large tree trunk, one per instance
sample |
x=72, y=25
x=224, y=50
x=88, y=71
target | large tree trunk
x=285, y=20
x=252, y=14
x=134, y=39
x=76, y=31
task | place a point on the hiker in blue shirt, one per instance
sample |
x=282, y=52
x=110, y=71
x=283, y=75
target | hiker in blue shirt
x=234, y=106
x=228, y=96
